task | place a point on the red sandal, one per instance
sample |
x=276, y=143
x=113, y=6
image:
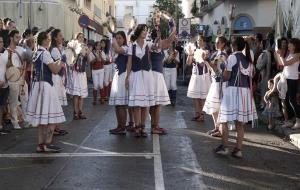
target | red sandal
x=158, y=130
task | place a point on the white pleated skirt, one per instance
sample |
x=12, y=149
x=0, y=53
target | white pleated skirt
x=118, y=92
x=60, y=89
x=77, y=84
x=199, y=86
x=213, y=99
x=43, y=105
x=141, y=89
x=237, y=105
x=161, y=94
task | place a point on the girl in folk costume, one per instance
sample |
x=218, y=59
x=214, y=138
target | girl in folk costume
x=56, y=51
x=139, y=79
x=44, y=108
x=96, y=62
x=237, y=104
x=107, y=67
x=161, y=95
x=119, y=93
x=171, y=62
x=78, y=81
x=214, y=96
x=200, y=80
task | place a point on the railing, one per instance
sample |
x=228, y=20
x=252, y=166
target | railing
x=208, y=5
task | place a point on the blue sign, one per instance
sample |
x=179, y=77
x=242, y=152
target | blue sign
x=84, y=21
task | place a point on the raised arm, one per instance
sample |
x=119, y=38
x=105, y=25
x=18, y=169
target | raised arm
x=285, y=62
x=118, y=49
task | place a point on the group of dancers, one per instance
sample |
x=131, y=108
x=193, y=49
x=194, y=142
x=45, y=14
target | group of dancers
x=138, y=86
x=220, y=86
x=143, y=81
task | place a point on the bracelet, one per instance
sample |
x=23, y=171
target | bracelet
x=191, y=54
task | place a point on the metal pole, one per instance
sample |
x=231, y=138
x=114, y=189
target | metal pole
x=184, y=60
x=30, y=16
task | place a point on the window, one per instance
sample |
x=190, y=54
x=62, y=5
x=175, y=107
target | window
x=97, y=11
x=129, y=10
x=88, y=4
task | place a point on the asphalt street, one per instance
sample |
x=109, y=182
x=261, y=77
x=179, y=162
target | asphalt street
x=182, y=160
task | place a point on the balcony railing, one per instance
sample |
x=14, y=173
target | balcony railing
x=208, y=5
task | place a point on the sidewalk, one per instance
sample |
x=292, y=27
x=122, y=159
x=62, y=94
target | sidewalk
x=292, y=135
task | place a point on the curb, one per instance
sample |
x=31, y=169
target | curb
x=292, y=135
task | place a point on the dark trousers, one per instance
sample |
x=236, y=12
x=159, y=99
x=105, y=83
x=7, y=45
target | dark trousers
x=291, y=95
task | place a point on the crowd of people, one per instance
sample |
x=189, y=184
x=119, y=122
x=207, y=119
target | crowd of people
x=39, y=69
x=237, y=77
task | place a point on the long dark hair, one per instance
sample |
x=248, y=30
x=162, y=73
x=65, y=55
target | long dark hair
x=95, y=45
x=247, y=52
x=54, y=33
x=106, y=48
x=137, y=32
x=41, y=37
x=123, y=35
x=296, y=43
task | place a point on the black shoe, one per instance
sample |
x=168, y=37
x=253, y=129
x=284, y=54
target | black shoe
x=221, y=150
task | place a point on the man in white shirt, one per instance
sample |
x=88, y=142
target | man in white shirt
x=15, y=55
x=3, y=89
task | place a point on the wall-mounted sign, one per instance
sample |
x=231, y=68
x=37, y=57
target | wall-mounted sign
x=84, y=21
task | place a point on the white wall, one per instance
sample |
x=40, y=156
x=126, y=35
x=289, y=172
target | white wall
x=54, y=13
x=141, y=9
x=262, y=12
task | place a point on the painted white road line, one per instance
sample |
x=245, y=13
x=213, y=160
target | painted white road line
x=158, y=170
x=107, y=116
x=188, y=151
x=86, y=154
x=85, y=148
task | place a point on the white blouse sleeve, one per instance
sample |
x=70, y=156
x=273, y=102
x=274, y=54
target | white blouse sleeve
x=231, y=62
x=47, y=59
x=129, y=52
x=55, y=54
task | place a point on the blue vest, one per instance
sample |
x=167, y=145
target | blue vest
x=241, y=80
x=223, y=65
x=140, y=64
x=41, y=70
x=199, y=69
x=121, y=62
x=170, y=65
x=80, y=64
x=157, y=61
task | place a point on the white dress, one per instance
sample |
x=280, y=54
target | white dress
x=58, y=81
x=44, y=106
x=237, y=103
x=200, y=80
x=217, y=87
x=119, y=93
x=77, y=83
x=161, y=94
x=141, y=86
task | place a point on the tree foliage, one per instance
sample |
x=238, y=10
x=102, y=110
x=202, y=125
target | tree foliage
x=171, y=6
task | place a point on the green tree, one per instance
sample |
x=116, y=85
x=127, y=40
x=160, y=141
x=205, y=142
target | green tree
x=172, y=7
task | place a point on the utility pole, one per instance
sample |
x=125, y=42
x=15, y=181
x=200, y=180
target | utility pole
x=30, y=12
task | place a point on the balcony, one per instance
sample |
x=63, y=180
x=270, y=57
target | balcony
x=208, y=5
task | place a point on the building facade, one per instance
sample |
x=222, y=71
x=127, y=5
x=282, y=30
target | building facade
x=244, y=18
x=139, y=9
x=287, y=18
x=63, y=14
